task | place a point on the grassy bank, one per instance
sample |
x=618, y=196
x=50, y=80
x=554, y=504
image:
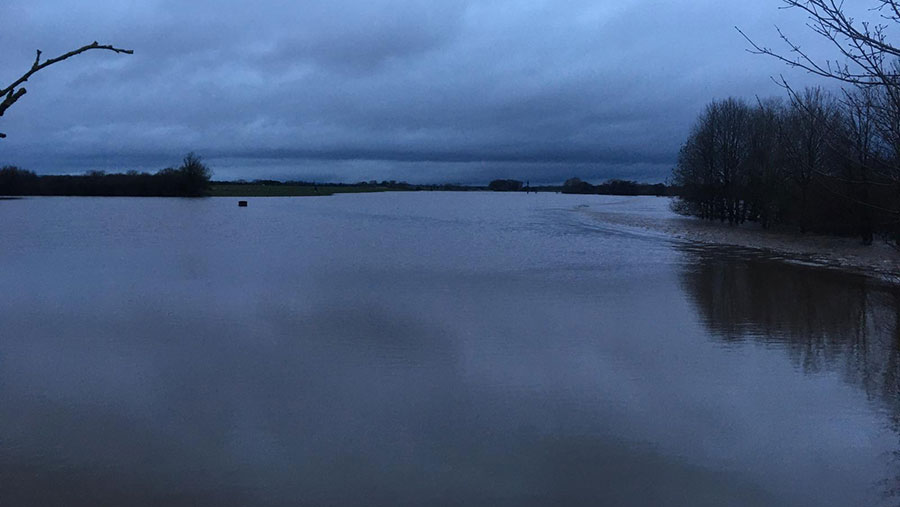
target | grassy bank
x=254, y=190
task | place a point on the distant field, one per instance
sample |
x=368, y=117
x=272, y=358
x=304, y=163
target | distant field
x=251, y=190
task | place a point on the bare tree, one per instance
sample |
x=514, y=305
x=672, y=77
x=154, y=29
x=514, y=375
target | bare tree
x=15, y=91
x=812, y=120
x=712, y=163
x=861, y=154
x=865, y=58
x=696, y=171
x=766, y=172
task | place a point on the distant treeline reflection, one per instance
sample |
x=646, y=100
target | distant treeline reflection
x=828, y=321
x=191, y=179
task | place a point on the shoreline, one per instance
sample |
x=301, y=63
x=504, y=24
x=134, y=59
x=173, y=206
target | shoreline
x=878, y=260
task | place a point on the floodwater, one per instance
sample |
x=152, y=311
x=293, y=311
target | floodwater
x=429, y=349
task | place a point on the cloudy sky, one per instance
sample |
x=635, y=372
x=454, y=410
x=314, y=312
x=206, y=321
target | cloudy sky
x=423, y=91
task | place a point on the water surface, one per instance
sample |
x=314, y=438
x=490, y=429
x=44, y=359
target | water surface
x=428, y=349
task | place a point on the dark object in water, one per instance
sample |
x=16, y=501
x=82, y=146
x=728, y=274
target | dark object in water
x=242, y=204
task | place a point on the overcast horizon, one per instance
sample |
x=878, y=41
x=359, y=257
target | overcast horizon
x=455, y=91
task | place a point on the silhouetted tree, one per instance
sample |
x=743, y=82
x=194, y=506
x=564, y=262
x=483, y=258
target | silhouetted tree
x=191, y=179
x=860, y=146
x=15, y=91
x=712, y=163
x=576, y=186
x=15, y=181
x=809, y=123
x=196, y=175
x=766, y=171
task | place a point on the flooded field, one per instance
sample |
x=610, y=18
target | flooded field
x=430, y=349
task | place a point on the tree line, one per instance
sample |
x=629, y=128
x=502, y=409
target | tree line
x=614, y=187
x=190, y=179
x=577, y=186
x=817, y=162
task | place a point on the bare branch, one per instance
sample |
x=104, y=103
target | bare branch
x=862, y=44
x=804, y=61
x=14, y=91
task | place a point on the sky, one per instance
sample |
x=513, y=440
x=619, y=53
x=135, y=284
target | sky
x=460, y=91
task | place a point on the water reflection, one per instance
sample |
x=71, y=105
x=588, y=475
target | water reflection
x=827, y=321
x=441, y=349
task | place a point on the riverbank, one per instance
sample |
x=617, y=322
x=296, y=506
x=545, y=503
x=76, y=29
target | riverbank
x=880, y=259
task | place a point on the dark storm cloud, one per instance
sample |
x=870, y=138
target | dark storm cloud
x=433, y=91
